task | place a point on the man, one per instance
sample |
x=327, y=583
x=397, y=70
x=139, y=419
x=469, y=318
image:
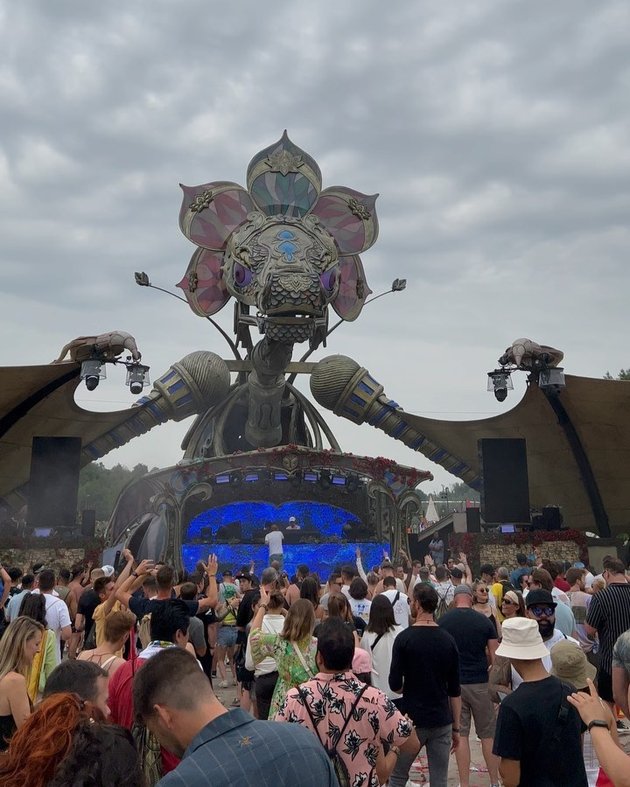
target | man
x=196, y=635
x=436, y=550
x=57, y=615
x=221, y=748
x=88, y=602
x=542, y=608
x=580, y=602
x=565, y=619
x=521, y=570
x=293, y=525
x=445, y=590
x=387, y=570
x=431, y=696
x=84, y=678
x=398, y=600
x=347, y=575
x=293, y=591
x=169, y=629
x=608, y=616
x=621, y=673
x=274, y=540
x=538, y=735
x=335, y=583
x=541, y=578
x=476, y=639
x=347, y=716
x=15, y=602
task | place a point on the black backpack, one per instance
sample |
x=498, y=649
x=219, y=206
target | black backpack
x=339, y=766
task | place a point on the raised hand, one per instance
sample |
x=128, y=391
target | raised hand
x=145, y=567
x=126, y=554
x=213, y=565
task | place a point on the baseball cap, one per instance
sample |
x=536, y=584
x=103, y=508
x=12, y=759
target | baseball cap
x=291, y=519
x=108, y=571
x=463, y=589
x=521, y=640
x=539, y=596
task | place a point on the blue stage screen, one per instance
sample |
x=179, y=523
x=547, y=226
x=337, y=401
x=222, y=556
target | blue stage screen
x=322, y=520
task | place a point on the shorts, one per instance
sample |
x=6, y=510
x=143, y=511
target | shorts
x=476, y=702
x=227, y=636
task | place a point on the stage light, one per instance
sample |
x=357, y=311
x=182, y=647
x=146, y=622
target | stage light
x=222, y=479
x=251, y=477
x=280, y=476
x=137, y=377
x=551, y=380
x=500, y=382
x=339, y=480
x=92, y=371
x=311, y=478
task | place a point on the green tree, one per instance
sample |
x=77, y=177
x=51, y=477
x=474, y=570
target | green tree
x=624, y=374
x=99, y=486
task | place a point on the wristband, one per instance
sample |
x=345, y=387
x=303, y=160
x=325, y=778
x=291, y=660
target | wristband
x=135, y=574
x=598, y=723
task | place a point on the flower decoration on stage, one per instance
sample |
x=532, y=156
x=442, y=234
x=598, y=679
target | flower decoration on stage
x=283, y=245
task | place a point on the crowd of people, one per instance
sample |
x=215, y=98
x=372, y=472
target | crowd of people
x=107, y=673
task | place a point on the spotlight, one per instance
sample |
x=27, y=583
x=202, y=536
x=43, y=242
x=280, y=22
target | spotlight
x=92, y=371
x=137, y=377
x=551, y=380
x=500, y=382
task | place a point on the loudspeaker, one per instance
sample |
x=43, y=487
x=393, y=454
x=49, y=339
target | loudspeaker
x=88, y=522
x=552, y=518
x=473, y=520
x=505, y=485
x=54, y=483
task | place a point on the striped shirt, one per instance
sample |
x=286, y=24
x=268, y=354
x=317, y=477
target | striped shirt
x=609, y=613
x=236, y=749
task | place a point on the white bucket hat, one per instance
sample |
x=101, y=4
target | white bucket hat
x=521, y=640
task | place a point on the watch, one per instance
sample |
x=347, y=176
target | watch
x=597, y=723
x=135, y=574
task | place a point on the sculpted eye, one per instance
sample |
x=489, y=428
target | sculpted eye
x=242, y=275
x=329, y=279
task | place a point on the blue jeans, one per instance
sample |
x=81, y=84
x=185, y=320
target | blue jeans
x=438, y=741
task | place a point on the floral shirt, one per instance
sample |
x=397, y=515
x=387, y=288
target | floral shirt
x=374, y=720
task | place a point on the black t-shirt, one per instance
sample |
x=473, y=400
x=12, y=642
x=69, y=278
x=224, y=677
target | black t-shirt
x=471, y=631
x=245, y=611
x=425, y=662
x=88, y=602
x=143, y=606
x=530, y=730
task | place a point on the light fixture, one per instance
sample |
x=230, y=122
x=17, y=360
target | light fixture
x=92, y=371
x=551, y=380
x=500, y=382
x=137, y=377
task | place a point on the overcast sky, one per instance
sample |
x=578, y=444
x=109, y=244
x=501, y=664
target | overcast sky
x=496, y=132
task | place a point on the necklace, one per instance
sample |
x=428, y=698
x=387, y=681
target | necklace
x=425, y=622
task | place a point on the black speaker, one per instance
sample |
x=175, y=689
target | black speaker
x=551, y=518
x=54, y=483
x=473, y=520
x=505, y=485
x=88, y=522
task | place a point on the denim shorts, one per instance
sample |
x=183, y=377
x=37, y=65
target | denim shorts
x=226, y=636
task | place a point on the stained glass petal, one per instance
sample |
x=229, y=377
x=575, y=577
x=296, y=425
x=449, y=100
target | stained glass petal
x=203, y=283
x=349, y=216
x=353, y=288
x=212, y=211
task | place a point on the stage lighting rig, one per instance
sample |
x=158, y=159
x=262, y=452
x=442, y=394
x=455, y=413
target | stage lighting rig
x=500, y=382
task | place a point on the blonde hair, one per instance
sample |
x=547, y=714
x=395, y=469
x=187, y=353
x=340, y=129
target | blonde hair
x=118, y=624
x=95, y=573
x=299, y=622
x=13, y=645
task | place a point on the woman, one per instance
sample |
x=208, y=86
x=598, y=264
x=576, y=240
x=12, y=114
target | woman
x=310, y=589
x=18, y=646
x=339, y=607
x=60, y=746
x=266, y=671
x=378, y=640
x=481, y=603
x=116, y=631
x=512, y=605
x=359, y=601
x=293, y=649
x=34, y=606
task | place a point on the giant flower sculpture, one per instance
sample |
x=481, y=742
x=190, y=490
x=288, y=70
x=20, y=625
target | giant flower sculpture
x=283, y=246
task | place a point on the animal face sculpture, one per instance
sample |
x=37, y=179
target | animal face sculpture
x=284, y=246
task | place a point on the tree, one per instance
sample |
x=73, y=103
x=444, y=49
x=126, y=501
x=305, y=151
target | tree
x=99, y=487
x=624, y=374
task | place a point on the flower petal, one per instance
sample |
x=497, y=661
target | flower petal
x=349, y=216
x=203, y=284
x=353, y=288
x=212, y=211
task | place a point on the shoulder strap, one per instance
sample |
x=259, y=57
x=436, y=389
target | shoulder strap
x=376, y=641
x=301, y=659
x=347, y=721
x=352, y=709
x=396, y=597
x=109, y=661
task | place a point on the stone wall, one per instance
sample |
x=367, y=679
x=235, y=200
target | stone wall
x=505, y=554
x=51, y=558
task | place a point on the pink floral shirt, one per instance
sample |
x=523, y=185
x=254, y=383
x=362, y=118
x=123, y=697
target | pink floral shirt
x=374, y=720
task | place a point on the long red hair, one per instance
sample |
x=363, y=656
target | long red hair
x=42, y=742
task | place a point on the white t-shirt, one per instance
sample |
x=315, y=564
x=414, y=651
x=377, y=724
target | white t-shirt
x=360, y=609
x=557, y=636
x=381, y=658
x=57, y=617
x=274, y=541
x=401, y=606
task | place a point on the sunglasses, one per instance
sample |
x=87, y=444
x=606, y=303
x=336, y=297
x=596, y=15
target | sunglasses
x=548, y=612
x=482, y=590
x=511, y=603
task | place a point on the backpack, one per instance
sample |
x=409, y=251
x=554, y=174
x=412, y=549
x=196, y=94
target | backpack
x=443, y=604
x=339, y=766
x=144, y=630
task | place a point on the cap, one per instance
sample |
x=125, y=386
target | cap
x=539, y=596
x=521, y=640
x=291, y=519
x=108, y=571
x=463, y=589
x=244, y=575
x=568, y=662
